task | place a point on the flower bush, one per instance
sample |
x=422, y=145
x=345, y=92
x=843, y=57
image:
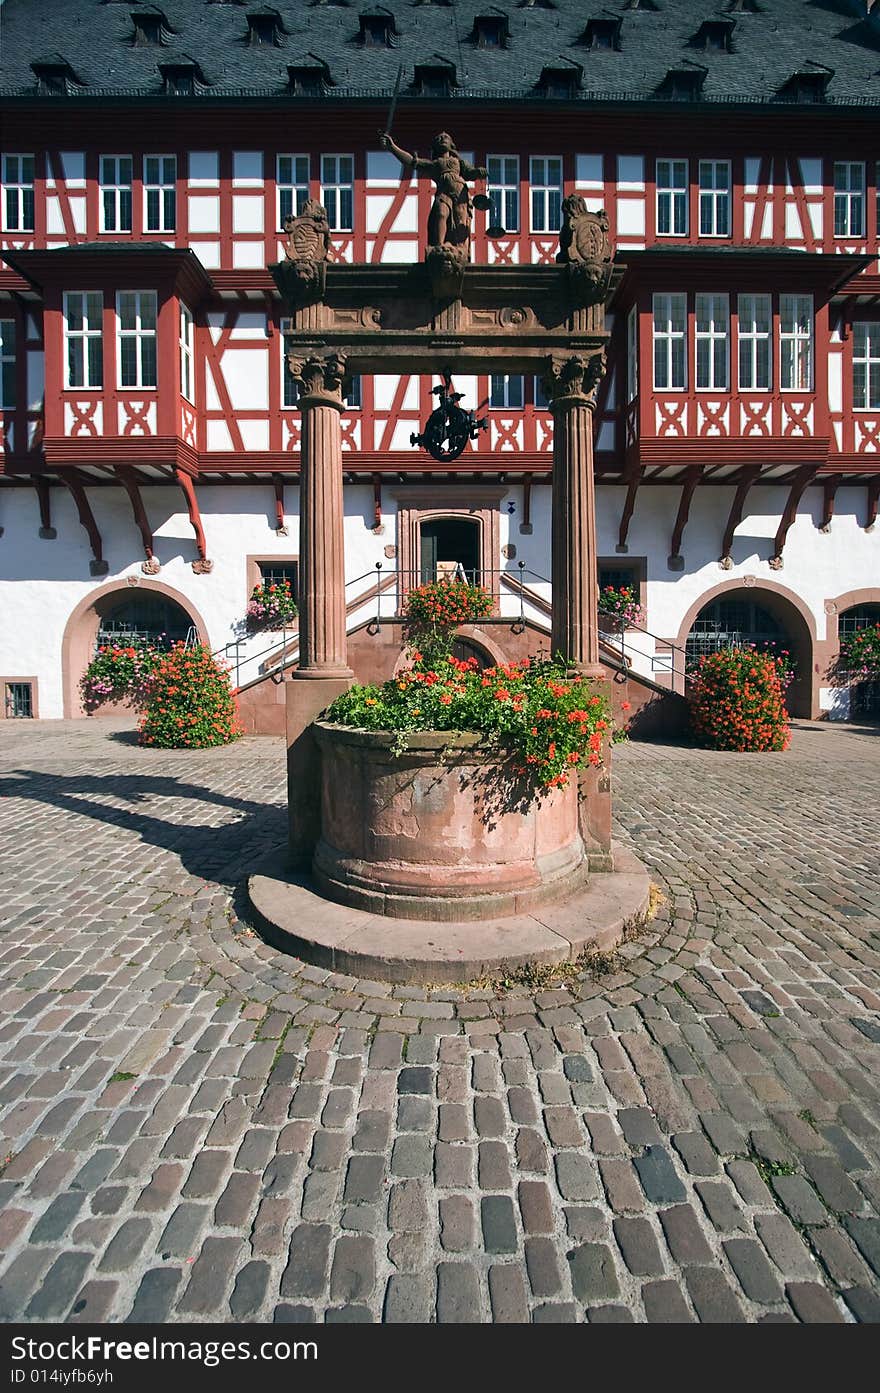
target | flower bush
x=738, y=700
x=189, y=702
x=551, y=722
x=860, y=653
x=434, y=611
x=271, y=605
x=119, y=672
x=621, y=605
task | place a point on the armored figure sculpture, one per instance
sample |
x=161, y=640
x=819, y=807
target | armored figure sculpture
x=449, y=222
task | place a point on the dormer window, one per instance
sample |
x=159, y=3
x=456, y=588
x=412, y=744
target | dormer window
x=746, y=7
x=603, y=32
x=182, y=79
x=377, y=29
x=682, y=84
x=715, y=36
x=648, y=5
x=491, y=31
x=537, y=5
x=150, y=28
x=434, y=79
x=265, y=27
x=55, y=77
x=309, y=79
x=807, y=86
x=560, y=82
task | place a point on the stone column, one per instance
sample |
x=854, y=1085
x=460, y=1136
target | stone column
x=571, y=385
x=323, y=671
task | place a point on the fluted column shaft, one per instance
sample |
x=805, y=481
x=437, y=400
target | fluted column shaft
x=575, y=633
x=322, y=637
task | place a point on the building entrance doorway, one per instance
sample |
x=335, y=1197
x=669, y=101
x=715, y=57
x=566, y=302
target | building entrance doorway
x=765, y=619
x=450, y=549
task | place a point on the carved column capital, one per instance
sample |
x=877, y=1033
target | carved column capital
x=321, y=380
x=573, y=379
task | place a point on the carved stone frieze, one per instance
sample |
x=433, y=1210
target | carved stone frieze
x=574, y=376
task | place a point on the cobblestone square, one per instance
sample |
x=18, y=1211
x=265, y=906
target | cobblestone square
x=196, y=1127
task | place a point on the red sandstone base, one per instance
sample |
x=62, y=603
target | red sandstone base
x=445, y=830
x=293, y=917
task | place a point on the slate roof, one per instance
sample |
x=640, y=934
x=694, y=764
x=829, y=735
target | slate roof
x=771, y=40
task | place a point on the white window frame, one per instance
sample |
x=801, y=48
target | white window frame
x=503, y=190
x=714, y=197
x=673, y=192
x=753, y=313
x=141, y=336
x=799, y=341
x=333, y=189
x=164, y=190
x=545, y=193
x=849, y=199
x=8, y=393
x=664, y=307
x=293, y=190
x=713, y=312
x=86, y=335
x=632, y=354
x=866, y=354
x=540, y=399
x=16, y=185
x=118, y=191
x=186, y=339
x=500, y=384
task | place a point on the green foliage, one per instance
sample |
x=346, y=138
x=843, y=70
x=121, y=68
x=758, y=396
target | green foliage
x=738, y=700
x=190, y=703
x=119, y=672
x=860, y=652
x=433, y=612
x=551, y=721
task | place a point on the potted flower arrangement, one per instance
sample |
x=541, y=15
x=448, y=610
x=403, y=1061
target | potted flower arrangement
x=119, y=672
x=619, y=607
x=738, y=700
x=189, y=702
x=271, y=606
x=448, y=791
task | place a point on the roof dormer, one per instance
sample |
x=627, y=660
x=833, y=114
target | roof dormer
x=55, y=77
x=602, y=32
x=435, y=79
x=561, y=80
x=808, y=84
x=684, y=84
x=378, y=28
x=265, y=28
x=150, y=27
x=715, y=36
x=182, y=77
x=649, y=5
x=491, y=30
x=309, y=78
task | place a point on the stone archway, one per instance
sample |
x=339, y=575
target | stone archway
x=82, y=628
x=792, y=619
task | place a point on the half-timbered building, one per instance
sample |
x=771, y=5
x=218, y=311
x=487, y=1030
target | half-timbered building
x=150, y=157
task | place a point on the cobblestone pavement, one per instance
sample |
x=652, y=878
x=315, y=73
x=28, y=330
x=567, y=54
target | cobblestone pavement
x=197, y=1127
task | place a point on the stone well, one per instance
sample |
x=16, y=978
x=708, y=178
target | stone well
x=447, y=830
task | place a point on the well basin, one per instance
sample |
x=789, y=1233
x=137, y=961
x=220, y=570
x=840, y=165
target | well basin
x=445, y=830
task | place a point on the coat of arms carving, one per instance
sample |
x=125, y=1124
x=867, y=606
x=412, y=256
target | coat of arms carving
x=308, y=249
x=585, y=247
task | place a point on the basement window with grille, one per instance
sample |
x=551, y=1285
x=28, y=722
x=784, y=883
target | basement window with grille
x=19, y=701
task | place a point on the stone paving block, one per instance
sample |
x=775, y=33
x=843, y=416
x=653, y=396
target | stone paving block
x=720, y=1206
x=714, y=1299
x=536, y=1206
x=249, y=1292
x=498, y=1224
x=638, y=1244
x=531, y=1151
x=698, y=1156
x=622, y=1188
x=409, y=1300
x=813, y=1303
x=309, y=1261
x=686, y=1241
x=458, y=1294
x=657, y=1174
x=453, y=1165
x=865, y=1233
x=408, y=1206
x=93, y=1303
x=493, y=1166
x=353, y=1273
x=785, y=1246
x=665, y=1304
x=864, y=1305
x=576, y=1177
x=155, y=1296
x=57, y=1219
x=543, y=1267
x=799, y=1200
x=457, y=1223
x=55, y=1294
x=507, y=1295
x=756, y=1276
x=593, y=1273
x=834, y=1185
x=268, y=1236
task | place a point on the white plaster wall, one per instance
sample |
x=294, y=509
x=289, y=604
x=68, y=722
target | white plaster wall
x=41, y=582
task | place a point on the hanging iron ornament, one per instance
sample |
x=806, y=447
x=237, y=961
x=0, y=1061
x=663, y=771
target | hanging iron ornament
x=449, y=429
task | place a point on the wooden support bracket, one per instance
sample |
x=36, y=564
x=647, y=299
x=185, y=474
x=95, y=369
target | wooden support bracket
x=691, y=479
x=377, y=502
x=280, y=525
x=202, y=566
x=873, y=496
x=525, y=526
x=734, y=517
x=802, y=478
x=47, y=531
x=829, y=489
x=98, y=566
x=629, y=507
x=126, y=477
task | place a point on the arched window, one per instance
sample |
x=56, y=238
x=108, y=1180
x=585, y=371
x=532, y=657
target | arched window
x=145, y=616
